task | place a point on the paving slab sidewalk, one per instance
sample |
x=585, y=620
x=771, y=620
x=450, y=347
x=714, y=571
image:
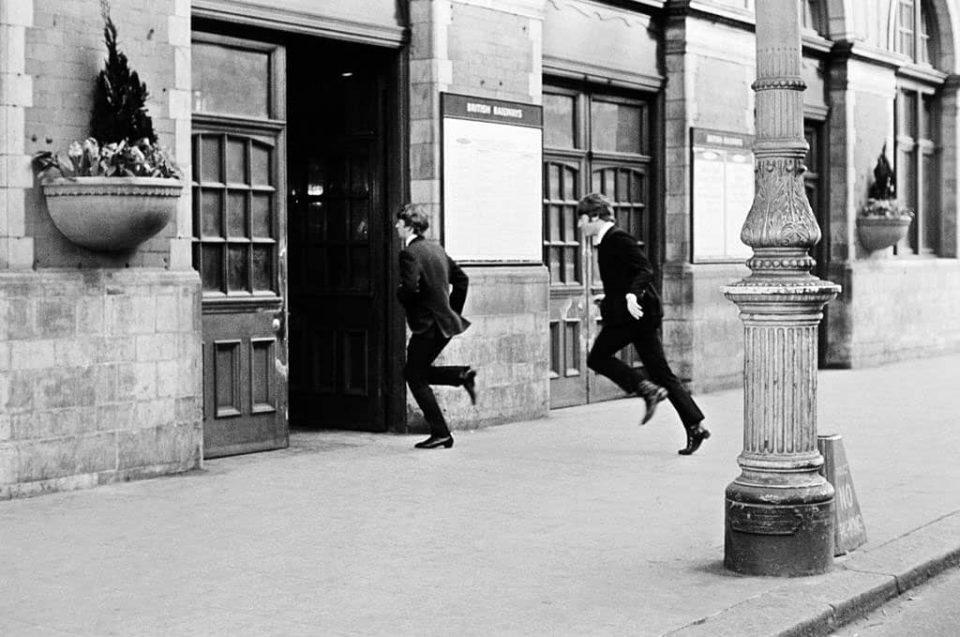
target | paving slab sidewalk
x=581, y=523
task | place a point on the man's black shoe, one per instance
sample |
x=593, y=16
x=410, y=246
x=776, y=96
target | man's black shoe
x=435, y=441
x=652, y=395
x=469, y=383
x=695, y=437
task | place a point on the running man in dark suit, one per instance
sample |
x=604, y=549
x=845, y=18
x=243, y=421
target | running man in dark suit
x=432, y=290
x=632, y=313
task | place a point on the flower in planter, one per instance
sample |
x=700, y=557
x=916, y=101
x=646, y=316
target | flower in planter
x=123, y=142
x=890, y=208
x=117, y=159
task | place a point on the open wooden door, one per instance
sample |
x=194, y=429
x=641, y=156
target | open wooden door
x=239, y=226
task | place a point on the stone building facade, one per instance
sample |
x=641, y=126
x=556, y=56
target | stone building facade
x=302, y=125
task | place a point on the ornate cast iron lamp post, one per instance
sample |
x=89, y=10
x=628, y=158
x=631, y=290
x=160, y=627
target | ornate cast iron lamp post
x=779, y=511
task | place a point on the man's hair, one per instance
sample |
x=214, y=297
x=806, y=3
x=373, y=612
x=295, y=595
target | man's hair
x=596, y=205
x=414, y=216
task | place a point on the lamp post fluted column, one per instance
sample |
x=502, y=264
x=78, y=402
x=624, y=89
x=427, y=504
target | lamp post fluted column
x=779, y=511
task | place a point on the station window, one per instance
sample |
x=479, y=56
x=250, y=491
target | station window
x=917, y=124
x=912, y=32
x=812, y=16
x=917, y=168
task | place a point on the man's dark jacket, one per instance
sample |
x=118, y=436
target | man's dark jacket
x=625, y=268
x=426, y=277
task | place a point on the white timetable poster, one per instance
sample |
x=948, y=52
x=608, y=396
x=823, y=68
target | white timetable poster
x=723, y=185
x=492, y=180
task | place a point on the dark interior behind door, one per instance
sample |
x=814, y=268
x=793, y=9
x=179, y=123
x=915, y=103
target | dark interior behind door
x=338, y=237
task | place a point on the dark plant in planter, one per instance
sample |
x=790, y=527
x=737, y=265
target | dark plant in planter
x=882, y=197
x=120, y=105
x=123, y=142
x=118, y=188
x=883, y=222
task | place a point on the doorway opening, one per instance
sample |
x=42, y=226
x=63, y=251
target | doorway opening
x=342, y=187
x=295, y=170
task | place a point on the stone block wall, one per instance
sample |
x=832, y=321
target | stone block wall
x=492, y=50
x=710, y=68
x=893, y=309
x=470, y=47
x=64, y=53
x=16, y=96
x=861, y=122
x=99, y=377
x=702, y=331
x=507, y=343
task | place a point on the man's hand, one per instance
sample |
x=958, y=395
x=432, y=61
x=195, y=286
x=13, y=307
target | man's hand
x=633, y=306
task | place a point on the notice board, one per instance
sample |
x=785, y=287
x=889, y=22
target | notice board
x=722, y=193
x=492, y=180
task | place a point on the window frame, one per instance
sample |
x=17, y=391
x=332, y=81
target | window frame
x=813, y=17
x=924, y=45
x=923, y=237
x=269, y=131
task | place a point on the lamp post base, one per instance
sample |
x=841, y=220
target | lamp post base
x=786, y=533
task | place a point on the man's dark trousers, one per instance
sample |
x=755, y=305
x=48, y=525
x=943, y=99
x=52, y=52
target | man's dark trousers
x=646, y=339
x=420, y=373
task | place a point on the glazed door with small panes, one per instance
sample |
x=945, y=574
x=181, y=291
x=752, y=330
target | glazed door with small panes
x=238, y=241
x=339, y=240
x=592, y=143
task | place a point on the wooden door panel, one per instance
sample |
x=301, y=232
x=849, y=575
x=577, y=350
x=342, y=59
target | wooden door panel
x=242, y=398
x=263, y=377
x=227, y=378
x=567, y=358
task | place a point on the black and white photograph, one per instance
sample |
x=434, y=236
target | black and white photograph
x=453, y=318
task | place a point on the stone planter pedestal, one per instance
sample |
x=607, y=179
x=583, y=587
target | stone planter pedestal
x=877, y=233
x=111, y=214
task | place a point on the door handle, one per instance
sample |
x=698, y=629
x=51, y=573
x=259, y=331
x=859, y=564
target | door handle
x=279, y=323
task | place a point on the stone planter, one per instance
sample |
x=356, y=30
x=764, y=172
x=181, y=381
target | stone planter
x=111, y=214
x=877, y=233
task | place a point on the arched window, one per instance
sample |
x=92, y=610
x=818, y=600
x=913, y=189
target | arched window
x=912, y=32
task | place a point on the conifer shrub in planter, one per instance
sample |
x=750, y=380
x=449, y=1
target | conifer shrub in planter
x=119, y=187
x=883, y=222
